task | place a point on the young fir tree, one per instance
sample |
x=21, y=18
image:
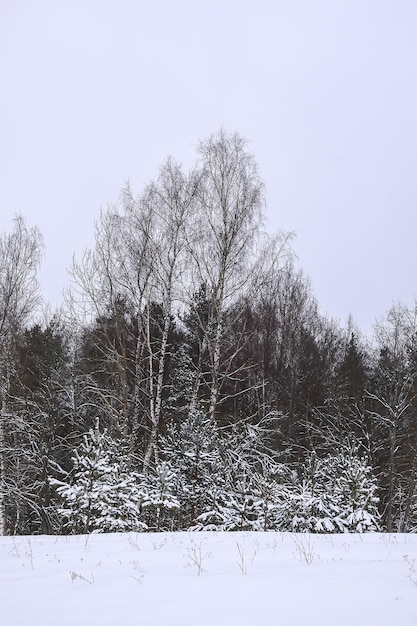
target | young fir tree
x=252, y=487
x=193, y=451
x=239, y=505
x=102, y=495
x=159, y=500
x=337, y=494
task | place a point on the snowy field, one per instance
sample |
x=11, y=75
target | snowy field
x=203, y=579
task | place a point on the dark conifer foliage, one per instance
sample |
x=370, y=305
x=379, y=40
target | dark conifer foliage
x=352, y=376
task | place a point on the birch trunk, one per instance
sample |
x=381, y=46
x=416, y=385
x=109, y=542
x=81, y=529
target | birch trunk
x=156, y=393
x=2, y=459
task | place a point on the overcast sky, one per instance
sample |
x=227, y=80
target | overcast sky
x=94, y=92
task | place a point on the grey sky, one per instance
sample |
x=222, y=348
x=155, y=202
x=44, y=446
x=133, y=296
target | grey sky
x=94, y=92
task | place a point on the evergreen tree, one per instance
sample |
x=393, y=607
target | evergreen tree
x=337, y=493
x=352, y=374
x=193, y=451
x=159, y=500
x=102, y=494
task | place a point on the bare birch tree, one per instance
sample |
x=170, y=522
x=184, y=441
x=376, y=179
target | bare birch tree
x=20, y=256
x=229, y=254
x=183, y=231
x=391, y=408
x=139, y=259
x=172, y=198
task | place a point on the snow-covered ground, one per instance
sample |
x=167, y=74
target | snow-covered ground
x=209, y=579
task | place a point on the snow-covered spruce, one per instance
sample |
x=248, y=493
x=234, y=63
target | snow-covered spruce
x=100, y=494
x=337, y=494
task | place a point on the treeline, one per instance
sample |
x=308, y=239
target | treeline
x=190, y=380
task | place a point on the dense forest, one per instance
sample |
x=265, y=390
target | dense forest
x=190, y=381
